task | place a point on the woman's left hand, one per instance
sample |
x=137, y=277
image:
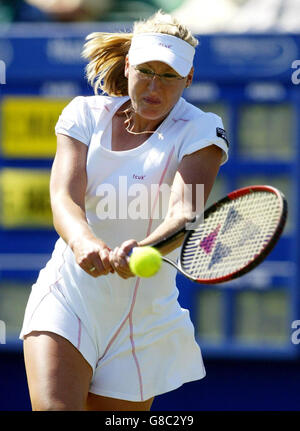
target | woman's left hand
x=119, y=258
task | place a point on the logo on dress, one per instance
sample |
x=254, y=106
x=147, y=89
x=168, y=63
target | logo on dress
x=221, y=133
x=138, y=177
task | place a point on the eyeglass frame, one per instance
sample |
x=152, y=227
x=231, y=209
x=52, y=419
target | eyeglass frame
x=151, y=75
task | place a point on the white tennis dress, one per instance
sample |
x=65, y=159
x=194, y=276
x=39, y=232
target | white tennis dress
x=134, y=334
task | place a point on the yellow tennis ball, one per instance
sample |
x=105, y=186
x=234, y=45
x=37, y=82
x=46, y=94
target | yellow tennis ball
x=145, y=261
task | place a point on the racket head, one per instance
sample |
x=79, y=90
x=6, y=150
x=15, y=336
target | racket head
x=237, y=234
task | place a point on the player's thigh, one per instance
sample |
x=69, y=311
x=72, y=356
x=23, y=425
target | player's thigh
x=100, y=403
x=57, y=373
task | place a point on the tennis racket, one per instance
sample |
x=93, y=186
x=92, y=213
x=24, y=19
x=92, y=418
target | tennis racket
x=235, y=235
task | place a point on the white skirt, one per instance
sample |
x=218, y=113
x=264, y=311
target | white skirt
x=139, y=343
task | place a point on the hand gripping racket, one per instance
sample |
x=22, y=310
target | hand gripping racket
x=235, y=235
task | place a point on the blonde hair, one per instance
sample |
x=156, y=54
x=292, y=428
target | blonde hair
x=106, y=52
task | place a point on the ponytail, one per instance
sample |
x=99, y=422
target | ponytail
x=106, y=53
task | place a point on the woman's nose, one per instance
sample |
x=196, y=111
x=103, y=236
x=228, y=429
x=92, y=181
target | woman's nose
x=155, y=82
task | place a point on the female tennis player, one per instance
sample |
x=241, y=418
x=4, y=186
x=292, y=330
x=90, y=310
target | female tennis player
x=95, y=336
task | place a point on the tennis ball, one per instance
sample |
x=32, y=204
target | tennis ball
x=145, y=261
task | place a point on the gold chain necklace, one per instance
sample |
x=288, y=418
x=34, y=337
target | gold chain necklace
x=128, y=121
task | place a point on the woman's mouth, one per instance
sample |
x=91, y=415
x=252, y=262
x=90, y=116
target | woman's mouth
x=152, y=100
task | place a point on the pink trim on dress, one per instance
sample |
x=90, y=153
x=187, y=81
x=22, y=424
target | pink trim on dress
x=160, y=183
x=132, y=340
x=50, y=287
x=129, y=315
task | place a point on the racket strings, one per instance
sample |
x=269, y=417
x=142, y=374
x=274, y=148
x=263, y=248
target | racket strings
x=232, y=236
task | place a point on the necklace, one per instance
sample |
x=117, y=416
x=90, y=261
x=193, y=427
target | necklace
x=129, y=128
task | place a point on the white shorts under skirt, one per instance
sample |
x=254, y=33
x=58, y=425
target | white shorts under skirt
x=127, y=368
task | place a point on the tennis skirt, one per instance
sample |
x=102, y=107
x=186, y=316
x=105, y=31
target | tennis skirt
x=134, y=354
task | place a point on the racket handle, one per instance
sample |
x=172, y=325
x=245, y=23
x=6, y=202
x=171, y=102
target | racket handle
x=178, y=235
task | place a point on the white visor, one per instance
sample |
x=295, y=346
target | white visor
x=171, y=50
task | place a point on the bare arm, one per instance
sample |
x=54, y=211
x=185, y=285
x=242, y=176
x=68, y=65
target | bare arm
x=67, y=192
x=200, y=167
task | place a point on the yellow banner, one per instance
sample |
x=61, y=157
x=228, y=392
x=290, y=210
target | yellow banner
x=25, y=198
x=28, y=126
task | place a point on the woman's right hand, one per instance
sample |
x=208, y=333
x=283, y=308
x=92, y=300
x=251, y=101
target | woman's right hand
x=92, y=255
x=119, y=258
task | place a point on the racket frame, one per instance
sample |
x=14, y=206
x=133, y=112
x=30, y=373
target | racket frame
x=214, y=207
